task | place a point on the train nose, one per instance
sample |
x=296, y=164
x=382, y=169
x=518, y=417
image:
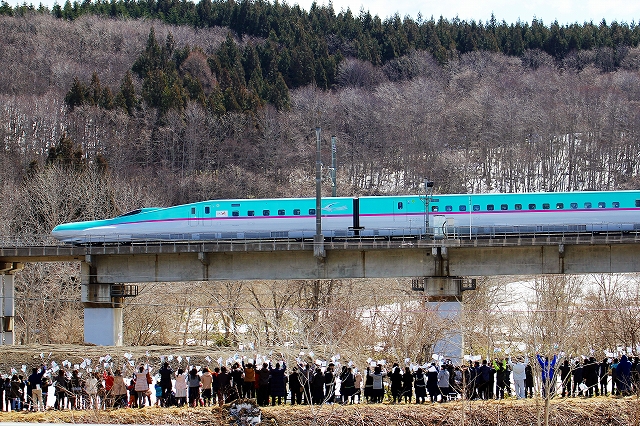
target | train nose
x=64, y=233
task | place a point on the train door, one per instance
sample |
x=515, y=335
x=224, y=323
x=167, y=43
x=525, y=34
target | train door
x=193, y=216
x=398, y=210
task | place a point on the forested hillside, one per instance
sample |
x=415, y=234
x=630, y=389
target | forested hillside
x=109, y=106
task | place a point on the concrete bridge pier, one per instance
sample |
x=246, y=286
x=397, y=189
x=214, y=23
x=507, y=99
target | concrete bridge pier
x=444, y=295
x=7, y=307
x=103, y=320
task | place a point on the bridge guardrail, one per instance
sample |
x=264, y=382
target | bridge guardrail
x=499, y=237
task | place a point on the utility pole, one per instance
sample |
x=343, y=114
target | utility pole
x=318, y=239
x=428, y=192
x=334, y=188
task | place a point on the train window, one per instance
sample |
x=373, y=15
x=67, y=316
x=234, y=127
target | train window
x=312, y=212
x=207, y=210
x=235, y=213
x=296, y=212
x=266, y=212
x=434, y=208
x=602, y=205
x=251, y=213
x=504, y=207
x=559, y=206
x=399, y=205
x=476, y=207
x=462, y=208
x=532, y=206
x=489, y=207
x=637, y=203
x=518, y=206
x=587, y=205
x=448, y=208
x=574, y=205
x=193, y=210
x=615, y=205
x=281, y=212
x=546, y=206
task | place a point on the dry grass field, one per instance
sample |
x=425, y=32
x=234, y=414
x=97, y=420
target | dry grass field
x=581, y=412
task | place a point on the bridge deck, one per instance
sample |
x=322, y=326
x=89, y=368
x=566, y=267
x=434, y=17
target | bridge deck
x=48, y=250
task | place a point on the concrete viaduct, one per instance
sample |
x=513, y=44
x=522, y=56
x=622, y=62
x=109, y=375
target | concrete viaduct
x=108, y=272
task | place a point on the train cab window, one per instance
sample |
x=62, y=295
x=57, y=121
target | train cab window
x=193, y=210
x=312, y=212
x=518, y=206
x=504, y=207
x=207, y=210
x=587, y=205
x=602, y=205
x=251, y=213
x=574, y=205
x=615, y=205
x=434, y=208
x=489, y=207
x=266, y=212
x=296, y=212
x=235, y=213
x=532, y=206
x=400, y=205
x=281, y=212
x=546, y=206
x=476, y=207
x=462, y=208
x=448, y=208
x=559, y=206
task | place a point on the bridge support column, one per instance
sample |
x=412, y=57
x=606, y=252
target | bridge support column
x=444, y=295
x=7, y=307
x=103, y=320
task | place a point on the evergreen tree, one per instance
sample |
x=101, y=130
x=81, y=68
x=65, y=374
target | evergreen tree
x=76, y=96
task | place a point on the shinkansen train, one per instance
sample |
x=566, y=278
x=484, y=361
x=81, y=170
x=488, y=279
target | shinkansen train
x=435, y=216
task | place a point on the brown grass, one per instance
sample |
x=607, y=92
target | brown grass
x=581, y=412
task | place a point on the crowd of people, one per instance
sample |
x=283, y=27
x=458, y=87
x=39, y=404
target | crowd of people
x=311, y=383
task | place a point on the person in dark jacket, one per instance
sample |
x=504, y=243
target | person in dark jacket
x=624, y=375
x=396, y=384
x=237, y=379
x=407, y=385
x=420, y=384
x=263, y=385
x=347, y=384
x=16, y=393
x=368, y=388
x=590, y=373
x=277, y=383
x=432, y=382
x=485, y=388
x=165, y=382
x=295, y=387
x=603, y=376
x=317, y=387
x=35, y=383
x=329, y=384
x=500, y=366
x=578, y=377
x=528, y=383
x=565, y=378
